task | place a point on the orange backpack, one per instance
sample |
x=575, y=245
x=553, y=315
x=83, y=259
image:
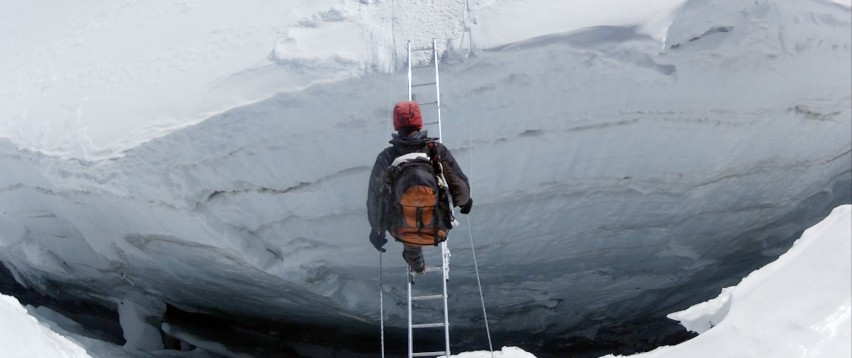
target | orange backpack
x=418, y=211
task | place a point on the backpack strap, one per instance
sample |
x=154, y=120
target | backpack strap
x=436, y=164
x=433, y=155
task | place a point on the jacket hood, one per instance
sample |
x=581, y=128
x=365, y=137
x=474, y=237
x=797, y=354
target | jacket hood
x=416, y=139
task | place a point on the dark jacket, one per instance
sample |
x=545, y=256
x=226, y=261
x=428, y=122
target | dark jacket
x=456, y=180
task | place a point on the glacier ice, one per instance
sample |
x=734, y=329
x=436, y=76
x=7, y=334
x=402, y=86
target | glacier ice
x=614, y=182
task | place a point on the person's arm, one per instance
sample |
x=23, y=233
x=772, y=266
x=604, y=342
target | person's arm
x=377, y=176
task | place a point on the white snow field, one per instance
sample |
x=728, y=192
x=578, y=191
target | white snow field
x=91, y=81
x=626, y=161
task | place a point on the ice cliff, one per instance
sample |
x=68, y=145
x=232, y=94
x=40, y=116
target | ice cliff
x=617, y=177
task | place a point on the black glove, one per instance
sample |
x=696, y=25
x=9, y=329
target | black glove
x=378, y=240
x=465, y=209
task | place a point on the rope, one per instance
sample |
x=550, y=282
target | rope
x=470, y=234
x=393, y=36
x=479, y=283
x=388, y=121
x=382, y=303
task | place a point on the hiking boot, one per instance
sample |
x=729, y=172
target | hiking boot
x=419, y=267
x=414, y=257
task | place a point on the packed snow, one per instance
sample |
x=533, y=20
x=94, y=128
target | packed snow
x=626, y=160
x=798, y=306
x=22, y=335
x=107, y=76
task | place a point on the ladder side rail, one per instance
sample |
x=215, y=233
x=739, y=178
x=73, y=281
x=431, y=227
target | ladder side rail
x=445, y=252
x=437, y=87
x=445, y=257
x=408, y=49
x=410, y=329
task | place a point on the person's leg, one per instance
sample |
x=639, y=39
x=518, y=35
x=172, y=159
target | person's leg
x=413, y=255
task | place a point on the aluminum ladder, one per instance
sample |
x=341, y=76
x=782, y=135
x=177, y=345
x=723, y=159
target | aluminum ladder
x=422, y=70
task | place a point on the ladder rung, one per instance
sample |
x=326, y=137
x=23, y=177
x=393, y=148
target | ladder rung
x=428, y=103
x=428, y=325
x=416, y=49
x=429, y=297
x=424, y=84
x=429, y=354
x=430, y=65
x=430, y=123
x=434, y=268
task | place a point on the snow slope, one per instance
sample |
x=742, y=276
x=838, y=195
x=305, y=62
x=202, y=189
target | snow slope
x=798, y=306
x=93, y=81
x=21, y=335
x=621, y=173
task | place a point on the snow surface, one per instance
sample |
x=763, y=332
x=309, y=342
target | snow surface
x=93, y=81
x=798, y=306
x=625, y=164
x=21, y=335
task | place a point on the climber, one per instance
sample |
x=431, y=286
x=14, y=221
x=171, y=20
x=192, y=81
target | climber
x=410, y=187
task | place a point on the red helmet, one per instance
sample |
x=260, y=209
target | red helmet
x=407, y=114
